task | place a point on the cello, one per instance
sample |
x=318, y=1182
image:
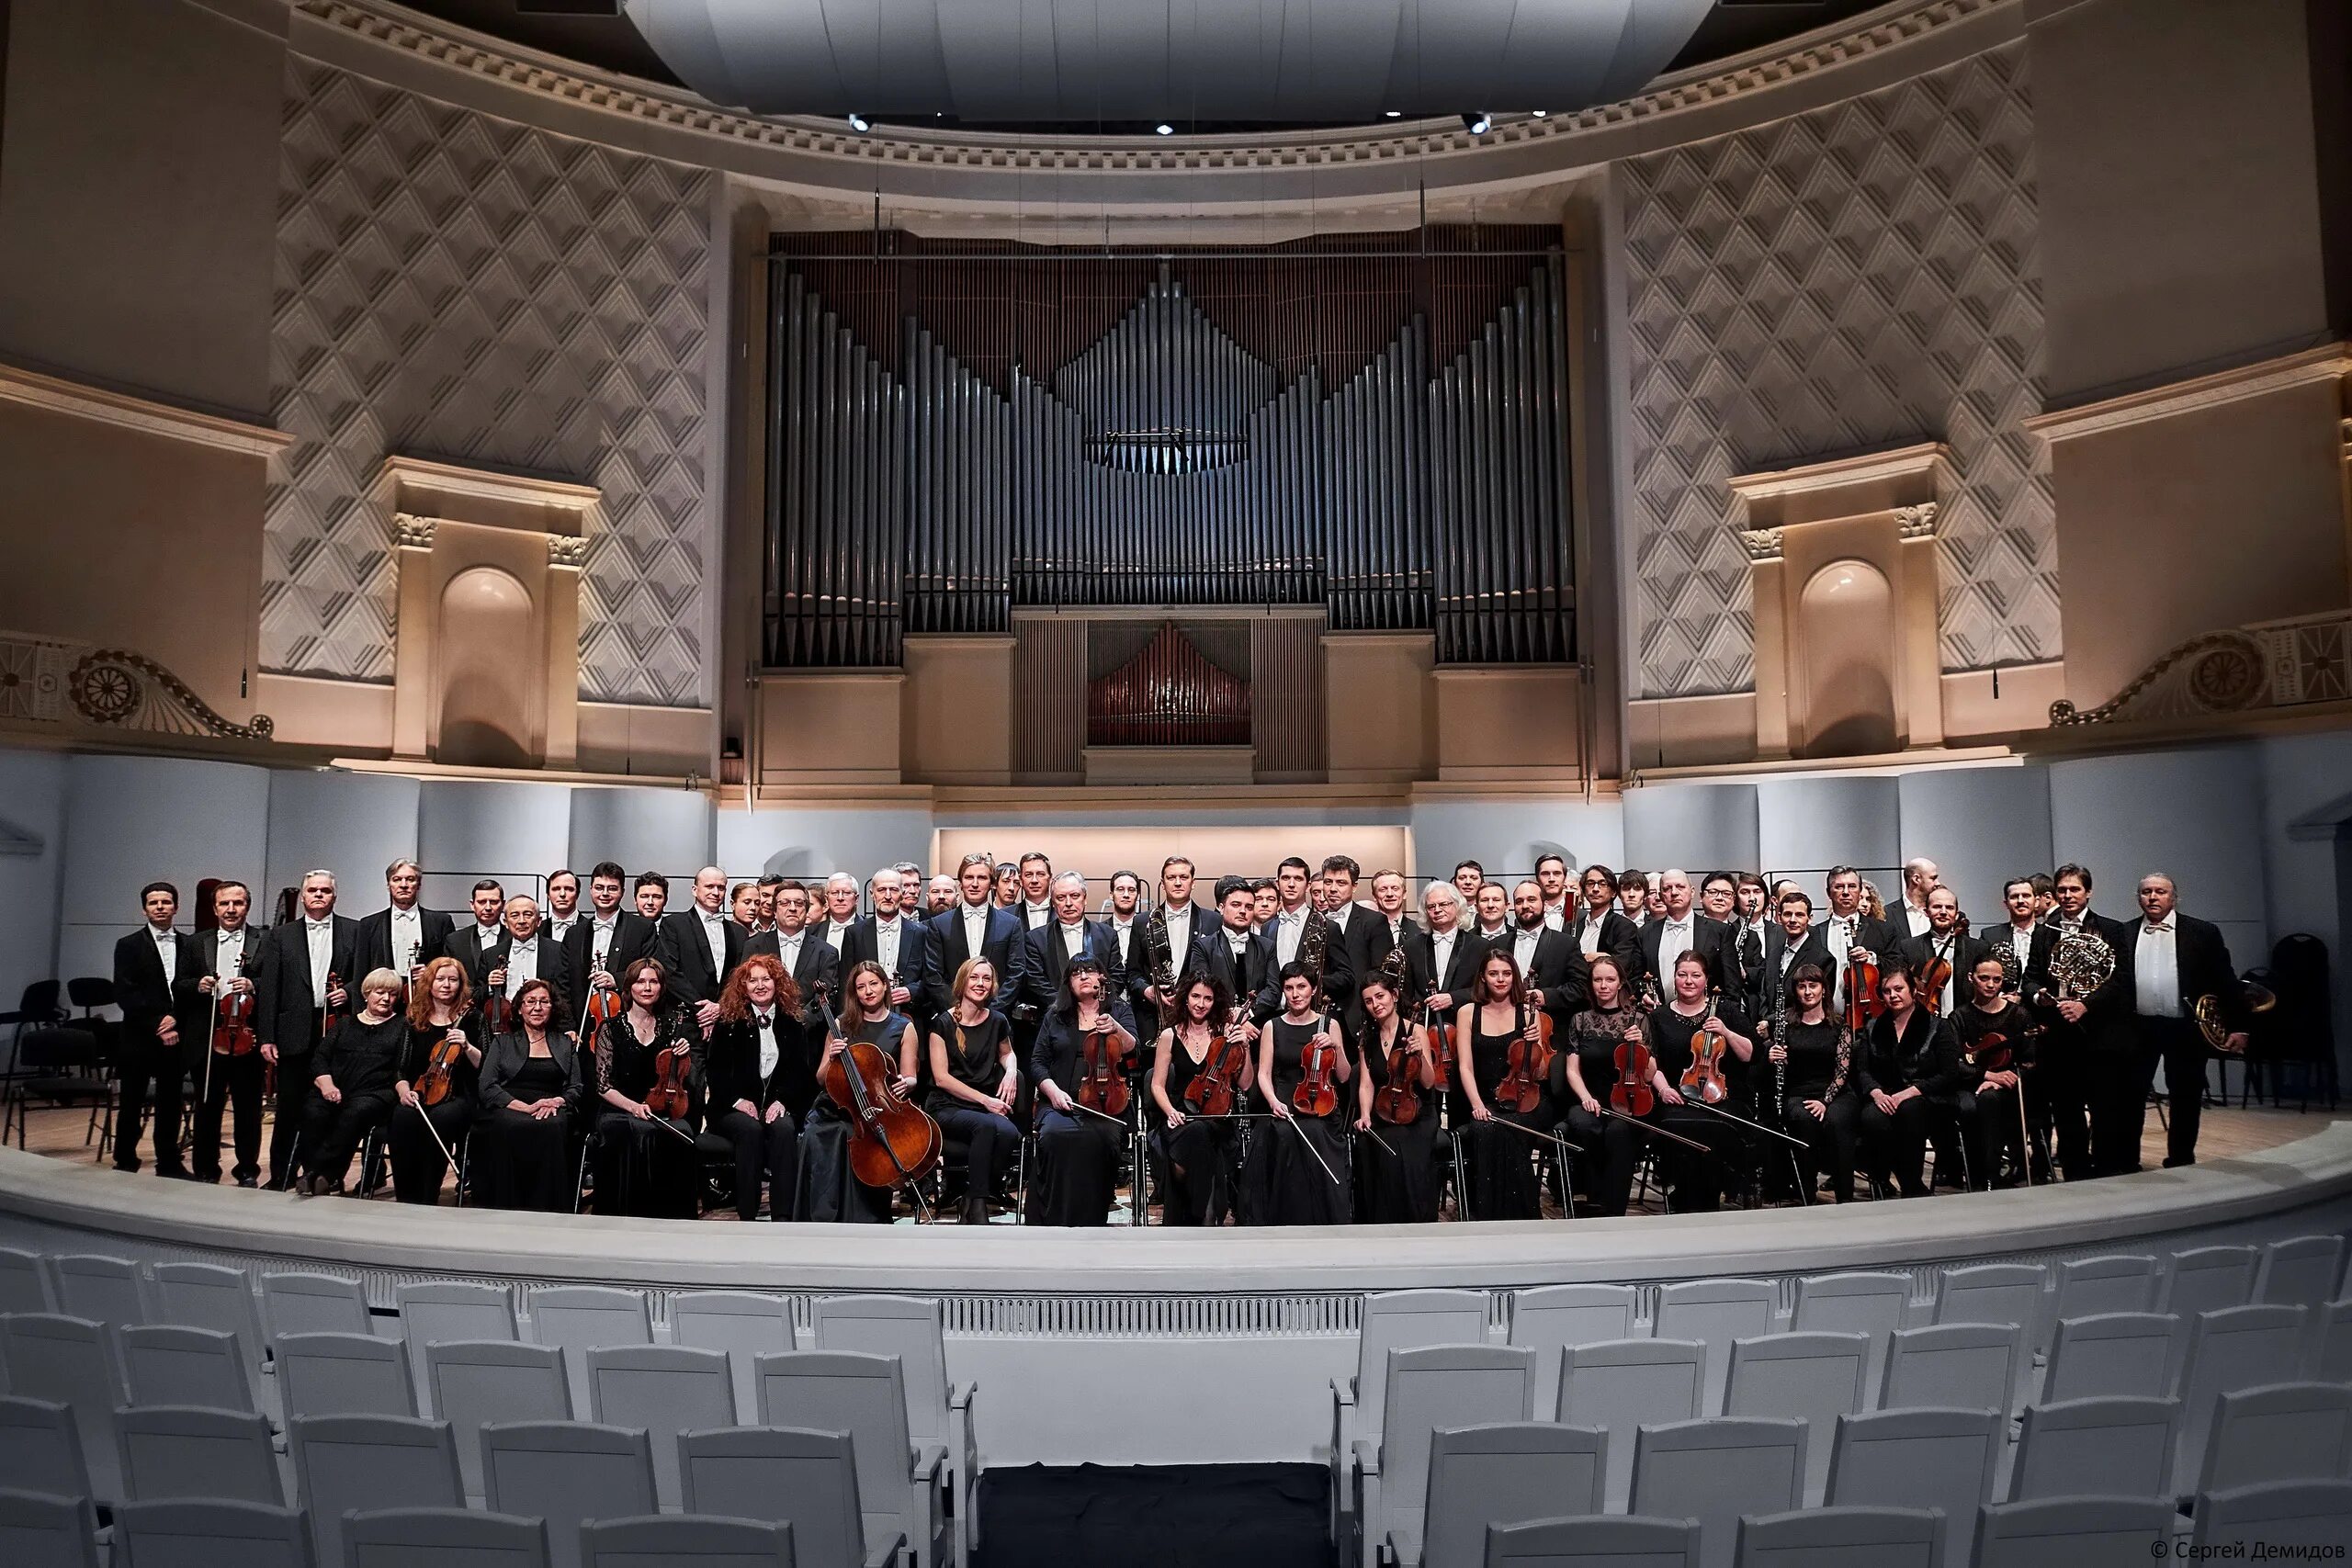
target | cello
x=892, y=1142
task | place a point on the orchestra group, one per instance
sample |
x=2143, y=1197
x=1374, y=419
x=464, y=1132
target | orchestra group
x=1298, y=1049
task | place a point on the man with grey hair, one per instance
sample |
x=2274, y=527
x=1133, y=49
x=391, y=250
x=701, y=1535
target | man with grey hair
x=2176, y=961
x=1069, y=935
x=310, y=970
x=894, y=940
x=405, y=934
x=1442, y=963
x=841, y=911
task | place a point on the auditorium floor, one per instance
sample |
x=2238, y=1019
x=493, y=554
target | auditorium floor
x=61, y=1133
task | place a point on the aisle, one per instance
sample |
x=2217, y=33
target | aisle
x=1233, y=1516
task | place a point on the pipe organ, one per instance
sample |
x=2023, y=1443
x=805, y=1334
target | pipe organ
x=1382, y=433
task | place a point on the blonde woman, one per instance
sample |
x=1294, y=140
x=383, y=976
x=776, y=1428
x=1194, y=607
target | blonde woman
x=352, y=1081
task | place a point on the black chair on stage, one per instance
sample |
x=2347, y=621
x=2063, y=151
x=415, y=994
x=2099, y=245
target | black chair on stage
x=63, y=1066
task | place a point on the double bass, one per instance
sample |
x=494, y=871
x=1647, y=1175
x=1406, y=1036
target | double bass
x=892, y=1142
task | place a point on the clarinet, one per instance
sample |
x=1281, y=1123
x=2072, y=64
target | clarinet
x=1780, y=1062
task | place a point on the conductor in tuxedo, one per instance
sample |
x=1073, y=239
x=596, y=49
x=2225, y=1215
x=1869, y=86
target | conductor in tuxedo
x=2175, y=959
x=973, y=927
x=307, y=966
x=699, y=947
x=403, y=935
x=896, y=939
x=148, y=964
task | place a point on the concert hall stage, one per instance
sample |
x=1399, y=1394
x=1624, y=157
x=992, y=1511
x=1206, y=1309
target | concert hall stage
x=1171, y=1345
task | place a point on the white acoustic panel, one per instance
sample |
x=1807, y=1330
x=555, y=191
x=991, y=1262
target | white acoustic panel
x=456, y=287
x=1859, y=276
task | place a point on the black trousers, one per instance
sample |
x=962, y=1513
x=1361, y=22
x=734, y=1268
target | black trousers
x=1611, y=1150
x=761, y=1145
x=236, y=1084
x=294, y=1094
x=2062, y=1073
x=1829, y=1143
x=991, y=1142
x=153, y=1072
x=1988, y=1124
x=2118, y=1092
x=1894, y=1146
x=418, y=1164
x=334, y=1130
x=2178, y=1046
x=1694, y=1181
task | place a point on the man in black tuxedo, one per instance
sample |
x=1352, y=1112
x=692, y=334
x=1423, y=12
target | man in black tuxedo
x=1600, y=926
x=1944, y=942
x=951, y=944
x=227, y=959
x=700, y=947
x=403, y=934
x=1125, y=925
x=897, y=942
x=1241, y=958
x=2176, y=960
x=149, y=965
x=811, y=961
x=1346, y=924
x=1853, y=936
x=2088, y=1058
x=1296, y=917
x=1684, y=930
x=1442, y=963
x=309, y=972
x=472, y=943
x=1547, y=958
x=1790, y=944
x=605, y=940
x=1374, y=933
x=526, y=953
x=1174, y=930
x=1048, y=949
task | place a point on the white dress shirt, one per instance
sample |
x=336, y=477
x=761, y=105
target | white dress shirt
x=407, y=933
x=2156, y=971
x=1522, y=946
x=1338, y=918
x=601, y=932
x=1589, y=930
x=486, y=937
x=167, y=949
x=1557, y=915
x=1915, y=921
x=1180, y=934
x=976, y=928
x=1074, y=940
x=1123, y=932
x=1289, y=926
x=787, y=948
x=1837, y=932
x=522, y=964
x=1238, y=940
x=2021, y=944
x=1442, y=955
x=769, y=1052
x=227, y=953
x=832, y=933
x=886, y=944
x=1032, y=916
x=560, y=926
x=320, y=934
x=1675, y=938
x=714, y=934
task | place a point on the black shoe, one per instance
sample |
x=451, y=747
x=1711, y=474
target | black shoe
x=130, y=1170
x=204, y=1178
x=976, y=1211
x=175, y=1173
x=2175, y=1162
x=249, y=1182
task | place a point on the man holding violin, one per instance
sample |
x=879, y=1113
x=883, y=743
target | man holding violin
x=229, y=1064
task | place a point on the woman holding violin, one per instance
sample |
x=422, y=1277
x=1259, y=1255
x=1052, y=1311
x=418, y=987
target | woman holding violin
x=1298, y=1172
x=1495, y=1033
x=1907, y=1075
x=1395, y=1110
x=522, y=1150
x=1607, y=1064
x=648, y=1074
x=1079, y=1064
x=756, y=1068
x=829, y=1190
x=1996, y=1040
x=1202, y=1065
x=438, y=1083
x=1701, y=1052
x=974, y=1083
x=1812, y=1062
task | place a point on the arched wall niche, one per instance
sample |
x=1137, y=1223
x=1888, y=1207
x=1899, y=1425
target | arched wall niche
x=1847, y=609
x=491, y=711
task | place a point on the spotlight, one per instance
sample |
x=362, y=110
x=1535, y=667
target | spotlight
x=859, y=123
x=1478, y=124
x=1163, y=129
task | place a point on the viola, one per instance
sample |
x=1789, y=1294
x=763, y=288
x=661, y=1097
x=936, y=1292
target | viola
x=668, y=1097
x=893, y=1142
x=432, y=1084
x=1703, y=1078
x=1317, y=1092
x=1399, y=1100
x=1102, y=1078
x=233, y=1015
x=1632, y=1095
x=1218, y=1085
x=1525, y=1066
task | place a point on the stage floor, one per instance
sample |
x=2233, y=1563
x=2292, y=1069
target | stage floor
x=63, y=1133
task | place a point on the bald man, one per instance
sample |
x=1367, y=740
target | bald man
x=700, y=947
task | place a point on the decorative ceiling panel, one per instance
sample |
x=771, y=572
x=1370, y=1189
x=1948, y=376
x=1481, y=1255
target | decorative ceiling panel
x=452, y=285
x=1861, y=276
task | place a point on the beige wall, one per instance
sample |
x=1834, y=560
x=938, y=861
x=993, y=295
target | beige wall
x=139, y=194
x=1097, y=852
x=957, y=725
x=131, y=540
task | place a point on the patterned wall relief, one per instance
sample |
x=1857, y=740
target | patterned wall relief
x=1860, y=275
x=453, y=285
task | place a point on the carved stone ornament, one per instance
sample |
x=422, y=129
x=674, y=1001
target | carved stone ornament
x=41, y=677
x=413, y=532
x=1916, y=522
x=2270, y=664
x=567, y=550
x=1761, y=544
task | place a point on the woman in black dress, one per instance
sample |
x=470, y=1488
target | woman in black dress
x=1694, y=1181
x=1396, y=1163
x=1992, y=1027
x=1299, y=1169
x=353, y=1078
x=757, y=1056
x=647, y=1164
x=1500, y=1158
x=530, y=1091
x=1585, y=1071
x=973, y=1082
x=1078, y=1152
x=1909, y=1073
x=1196, y=1157
x=1813, y=1066
x=830, y=1192
x=440, y=1011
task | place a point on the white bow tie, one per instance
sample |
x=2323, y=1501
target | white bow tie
x=2156, y=927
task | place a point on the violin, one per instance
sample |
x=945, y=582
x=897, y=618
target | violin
x=1219, y=1083
x=668, y=1098
x=1399, y=1100
x=1996, y=1052
x=1703, y=1078
x=1632, y=1095
x=1936, y=974
x=892, y=1142
x=497, y=1014
x=1101, y=1078
x=1862, y=1005
x=1525, y=1066
x=233, y=1015
x=605, y=1003
x=433, y=1083
x=1317, y=1093
x=328, y=1017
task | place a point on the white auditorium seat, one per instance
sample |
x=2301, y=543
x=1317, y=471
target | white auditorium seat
x=2091, y=1287
x=1715, y=1312
x=688, y=1540
x=569, y=1473
x=913, y=1329
x=313, y=1303
x=472, y=1384
x=2207, y=1278
x=2292, y=1518
x=1842, y=1538
x=577, y=1319
x=665, y=1389
x=1995, y=1292
x=40, y=1448
x=1815, y=1378
x=785, y=1475
x=344, y=1374
x=1622, y=1384
x=1392, y=1320
x=2331, y=1349
x=42, y=1530
x=342, y=1462
x=192, y=1532
x=2096, y=1447
x=1957, y=1366
x=2291, y=1431
x=2238, y=1347
x=2301, y=1271
x=181, y=1451
x=740, y=1323
x=1552, y=1317
x=24, y=1282
x=1616, y=1542
x=165, y=1364
x=438, y=1311
x=71, y=1361
x=898, y=1486
x=402, y=1537
x=1501, y=1473
x=101, y=1287
x=1943, y=1460
x=2113, y=1355
x=2073, y=1532
x=1872, y=1304
x=207, y=1295
x=1436, y=1387
x=1718, y=1471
